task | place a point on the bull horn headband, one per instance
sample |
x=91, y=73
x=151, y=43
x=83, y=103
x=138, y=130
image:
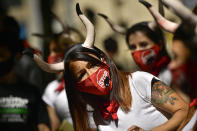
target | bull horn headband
x=90, y=37
x=115, y=27
x=89, y=43
x=180, y=10
x=122, y=30
x=159, y=17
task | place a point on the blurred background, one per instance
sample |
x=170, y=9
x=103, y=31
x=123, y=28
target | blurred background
x=34, y=17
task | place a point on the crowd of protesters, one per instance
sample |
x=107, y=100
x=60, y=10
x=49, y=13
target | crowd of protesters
x=90, y=91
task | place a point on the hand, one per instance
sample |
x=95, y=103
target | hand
x=135, y=128
x=29, y=52
x=145, y=3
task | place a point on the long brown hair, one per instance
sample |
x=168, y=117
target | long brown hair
x=77, y=101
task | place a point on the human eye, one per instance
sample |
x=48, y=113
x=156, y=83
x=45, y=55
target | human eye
x=143, y=44
x=80, y=76
x=132, y=47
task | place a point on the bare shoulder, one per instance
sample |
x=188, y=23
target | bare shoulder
x=161, y=93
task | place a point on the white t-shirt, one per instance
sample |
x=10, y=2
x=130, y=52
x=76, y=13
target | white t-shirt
x=191, y=123
x=57, y=100
x=142, y=113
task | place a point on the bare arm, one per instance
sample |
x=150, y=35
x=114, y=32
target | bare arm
x=166, y=99
x=43, y=127
x=54, y=120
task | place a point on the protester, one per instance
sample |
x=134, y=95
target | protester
x=30, y=71
x=21, y=106
x=183, y=64
x=184, y=69
x=147, y=45
x=54, y=95
x=121, y=101
x=148, y=50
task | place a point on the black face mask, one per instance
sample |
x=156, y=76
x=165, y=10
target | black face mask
x=6, y=66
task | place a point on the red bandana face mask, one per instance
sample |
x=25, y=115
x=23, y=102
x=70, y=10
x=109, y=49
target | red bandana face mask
x=179, y=75
x=55, y=59
x=146, y=59
x=184, y=77
x=99, y=83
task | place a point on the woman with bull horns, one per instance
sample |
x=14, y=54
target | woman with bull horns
x=147, y=46
x=121, y=101
x=183, y=65
x=54, y=95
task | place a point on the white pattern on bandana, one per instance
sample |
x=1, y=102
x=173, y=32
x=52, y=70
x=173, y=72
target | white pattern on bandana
x=145, y=56
x=101, y=80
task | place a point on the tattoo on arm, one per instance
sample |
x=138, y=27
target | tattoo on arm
x=161, y=93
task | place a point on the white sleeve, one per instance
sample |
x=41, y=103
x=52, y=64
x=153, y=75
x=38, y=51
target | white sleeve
x=142, y=83
x=49, y=94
